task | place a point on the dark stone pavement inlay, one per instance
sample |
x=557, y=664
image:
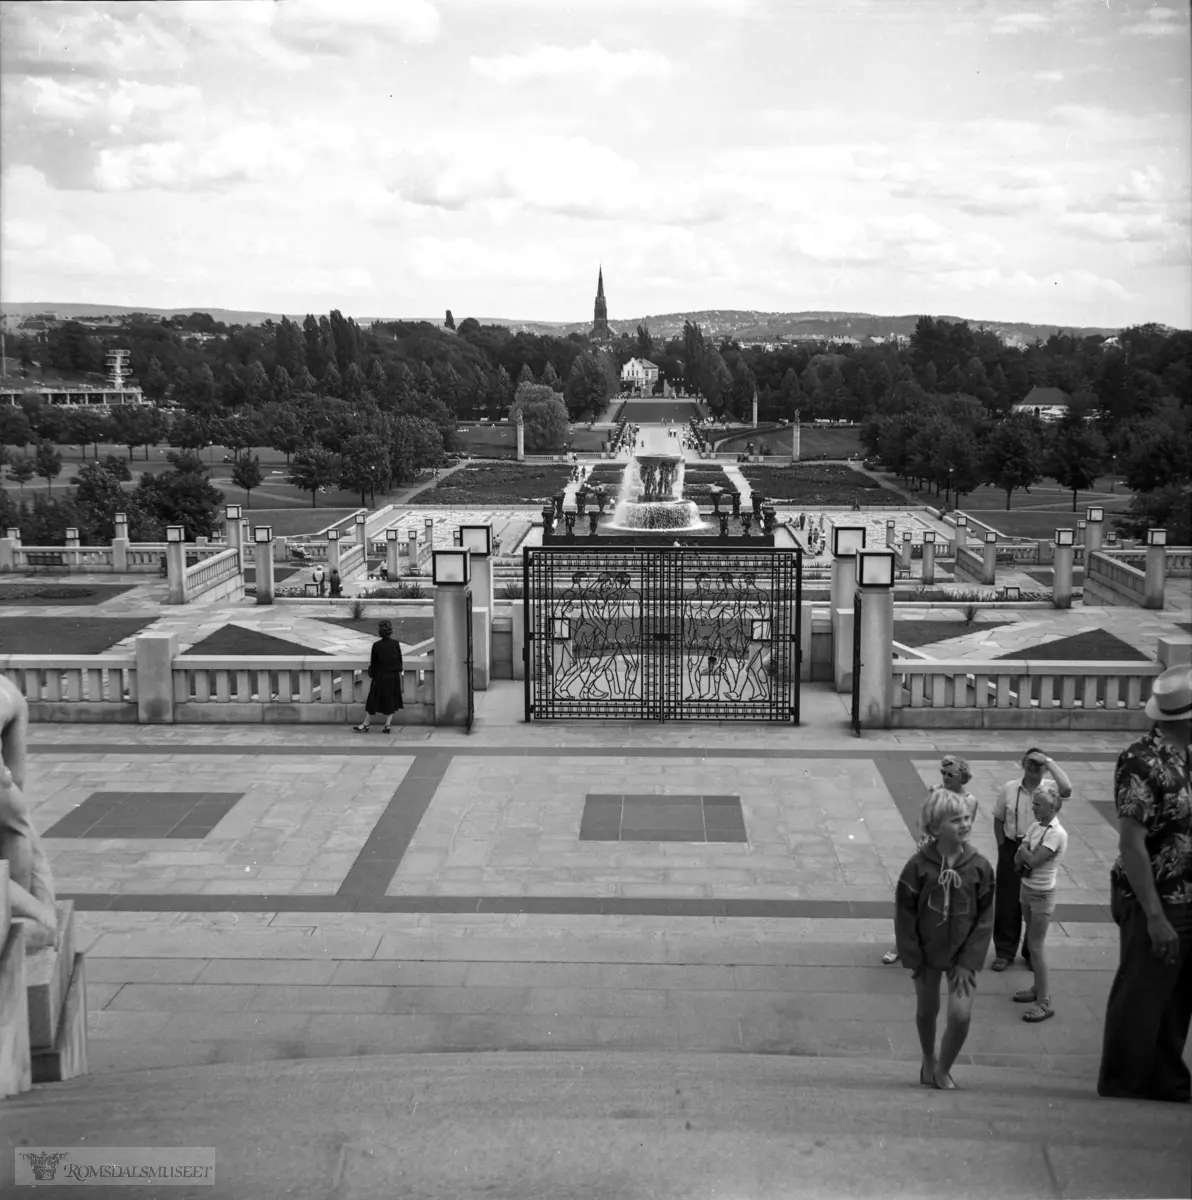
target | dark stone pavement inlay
x=146, y=815
x=379, y=857
x=905, y=785
x=647, y=817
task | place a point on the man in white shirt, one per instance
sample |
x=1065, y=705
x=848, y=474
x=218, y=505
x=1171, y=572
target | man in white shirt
x=1012, y=816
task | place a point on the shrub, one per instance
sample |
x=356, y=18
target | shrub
x=513, y=591
x=357, y=609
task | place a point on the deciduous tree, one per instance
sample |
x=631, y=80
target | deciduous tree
x=1013, y=457
x=246, y=474
x=312, y=470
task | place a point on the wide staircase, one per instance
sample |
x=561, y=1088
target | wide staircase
x=440, y=1056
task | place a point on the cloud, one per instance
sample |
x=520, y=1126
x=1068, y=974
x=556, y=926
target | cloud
x=1009, y=24
x=1106, y=227
x=606, y=69
x=1159, y=22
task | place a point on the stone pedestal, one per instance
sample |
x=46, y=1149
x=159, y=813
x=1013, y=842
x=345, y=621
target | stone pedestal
x=120, y=544
x=362, y=532
x=235, y=534
x=453, y=616
x=876, y=682
x=176, y=573
x=1156, y=576
x=72, y=538
x=521, y=439
x=482, y=620
x=281, y=549
x=1093, y=535
x=264, y=560
x=891, y=533
x=904, y=553
x=989, y=560
x=960, y=536
x=755, y=410
x=47, y=977
x=8, y=547
x=929, y=561
x=844, y=582
x=155, y=653
x=1061, y=583
x=1175, y=650
x=332, y=550
x=796, y=441
x=392, y=567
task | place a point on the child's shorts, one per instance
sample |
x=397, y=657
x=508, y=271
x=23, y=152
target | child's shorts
x=1035, y=901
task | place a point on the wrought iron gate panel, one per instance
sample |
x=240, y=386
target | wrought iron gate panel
x=662, y=634
x=856, y=712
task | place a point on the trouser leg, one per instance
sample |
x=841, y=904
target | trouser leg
x=1007, y=905
x=1135, y=1015
x=1171, y=1079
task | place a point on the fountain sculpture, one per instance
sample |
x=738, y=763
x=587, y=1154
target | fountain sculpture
x=651, y=495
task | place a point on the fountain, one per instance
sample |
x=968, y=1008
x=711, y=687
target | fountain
x=651, y=495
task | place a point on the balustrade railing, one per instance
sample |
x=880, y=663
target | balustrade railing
x=1114, y=570
x=210, y=571
x=101, y=679
x=212, y=681
x=1111, y=687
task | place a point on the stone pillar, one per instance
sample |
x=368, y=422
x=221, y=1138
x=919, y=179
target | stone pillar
x=929, y=557
x=176, y=565
x=120, y=544
x=891, y=532
x=1092, y=536
x=392, y=542
x=1061, y=579
x=517, y=611
x=235, y=531
x=412, y=553
x=453, y=616
x=262, y=536
x=989, y=559
x=844, y=583
x=429, y=526
x=876, y=683
x=1156, y=567
x=482, y=620
x=281, y=549
x=1175, y=650
x=332, y=550
x=8, y=547
x=755, y=408
x=521, y=438
x=904, y=553
x=362, y=531
x=72, y=538
x=960, y=536
x=155, y=653
x=796, y=440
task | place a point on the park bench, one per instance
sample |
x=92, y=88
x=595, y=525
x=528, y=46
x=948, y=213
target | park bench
x=46, y=560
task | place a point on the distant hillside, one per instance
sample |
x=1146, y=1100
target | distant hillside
x=743, y=324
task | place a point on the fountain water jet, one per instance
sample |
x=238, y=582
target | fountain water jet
x=651, y=493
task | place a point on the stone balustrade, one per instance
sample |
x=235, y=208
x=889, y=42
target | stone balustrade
x=87, y=687
x=211, y=571
x=328, y=689
x=1021, y=694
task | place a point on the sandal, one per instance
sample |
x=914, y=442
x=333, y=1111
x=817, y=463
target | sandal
x=360, y=728
x=1041, y=1012
x=890, y=956
x=999, y=964
x=1026, y=996
x=385, y=730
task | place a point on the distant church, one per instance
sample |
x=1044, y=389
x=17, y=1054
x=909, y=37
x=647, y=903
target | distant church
x=600, y=330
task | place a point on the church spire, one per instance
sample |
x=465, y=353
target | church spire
x=600, y=330
x=600, y=283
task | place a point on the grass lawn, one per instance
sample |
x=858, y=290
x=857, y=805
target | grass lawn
x=828, y=484
x=234, y=639
x=66, y=635
x=409, y=631
x=927, y=633
x=43, y=595
x=495, y=483
x=1094, y=646
x=297, y=522
x=1036, y=525
x=815, y=441
x=500, y=441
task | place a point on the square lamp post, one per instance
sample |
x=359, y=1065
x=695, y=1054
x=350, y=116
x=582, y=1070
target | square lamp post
x=262, y=536
x=1156, y=568
x=875, y=569
x=392, y=542
x=451, y=567
x=847, y=540
x=176, y=564
x=1065, y=537
x=929, y=556
x=1156, y=537
x=873, y=612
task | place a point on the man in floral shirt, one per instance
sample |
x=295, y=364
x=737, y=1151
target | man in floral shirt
x=1150, y=1002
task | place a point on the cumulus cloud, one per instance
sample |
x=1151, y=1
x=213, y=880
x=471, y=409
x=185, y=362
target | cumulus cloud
x=605, y=69
x=1159, y=22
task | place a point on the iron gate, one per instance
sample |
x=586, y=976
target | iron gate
x=662, y=634
x=857, y=662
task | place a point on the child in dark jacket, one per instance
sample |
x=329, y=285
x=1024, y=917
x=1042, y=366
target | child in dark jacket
x=943, y=923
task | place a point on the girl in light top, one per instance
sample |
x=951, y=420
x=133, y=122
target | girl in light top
x=954, y=775
x=943, y=920
x=1037, y=862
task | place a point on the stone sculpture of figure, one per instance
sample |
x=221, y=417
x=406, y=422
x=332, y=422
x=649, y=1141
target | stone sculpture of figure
x=30, y=884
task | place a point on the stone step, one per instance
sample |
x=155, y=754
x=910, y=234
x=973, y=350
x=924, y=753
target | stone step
x=47, y=977
x=663, y=1125
x=66, y=1058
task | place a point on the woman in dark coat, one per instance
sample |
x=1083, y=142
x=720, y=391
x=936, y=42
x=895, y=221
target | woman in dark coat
x=384, y=669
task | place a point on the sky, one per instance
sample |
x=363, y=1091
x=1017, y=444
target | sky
x=396, y=158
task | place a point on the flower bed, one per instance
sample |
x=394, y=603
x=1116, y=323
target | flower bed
x=495, y=483
x=824, y=484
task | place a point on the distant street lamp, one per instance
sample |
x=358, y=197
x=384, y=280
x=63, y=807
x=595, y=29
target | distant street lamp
x=948, y=496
